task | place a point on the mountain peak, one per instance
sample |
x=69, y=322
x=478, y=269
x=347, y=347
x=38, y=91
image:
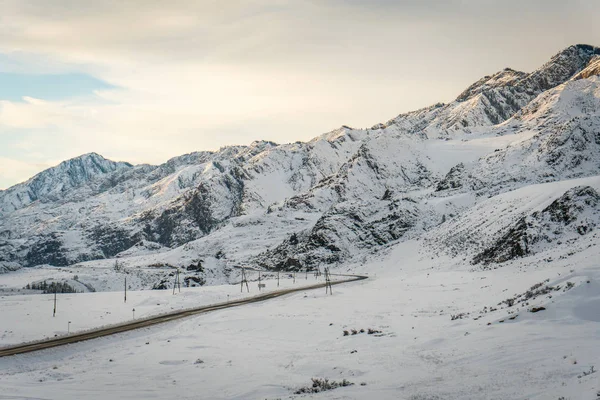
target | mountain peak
x=563, y=66
x=587, y=48
x=56, y=182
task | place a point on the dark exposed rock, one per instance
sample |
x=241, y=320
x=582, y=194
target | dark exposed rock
x=112, y=240
x=48, y=250
x=193, y=281
x=196, y=267
x=453, y=178
x=576, y=211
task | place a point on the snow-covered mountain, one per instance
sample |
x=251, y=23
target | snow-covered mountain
x=59, y=183
x=338, y=198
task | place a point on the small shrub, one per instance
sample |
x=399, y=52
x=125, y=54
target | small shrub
x=322, y=385
x=454, y=317
x=591, y=371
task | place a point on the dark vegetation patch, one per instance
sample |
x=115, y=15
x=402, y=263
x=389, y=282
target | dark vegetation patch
x=322, y=385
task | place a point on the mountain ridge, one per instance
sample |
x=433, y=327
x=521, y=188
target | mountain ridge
x=337, y=198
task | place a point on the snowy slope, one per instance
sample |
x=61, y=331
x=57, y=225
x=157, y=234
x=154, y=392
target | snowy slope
x=440, y=331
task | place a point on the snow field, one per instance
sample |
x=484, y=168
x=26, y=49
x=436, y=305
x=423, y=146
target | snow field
x=28, y=317
x=271, y=349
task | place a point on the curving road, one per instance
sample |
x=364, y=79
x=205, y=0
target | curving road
x=149, y=321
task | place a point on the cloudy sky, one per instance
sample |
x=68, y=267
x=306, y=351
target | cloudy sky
x=146, y=80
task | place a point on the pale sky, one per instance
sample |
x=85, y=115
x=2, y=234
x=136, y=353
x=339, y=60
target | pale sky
x=146, y=80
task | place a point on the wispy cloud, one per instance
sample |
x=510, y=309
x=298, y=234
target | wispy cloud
x=15, y=86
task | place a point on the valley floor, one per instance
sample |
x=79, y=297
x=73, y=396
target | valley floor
x=270, y=350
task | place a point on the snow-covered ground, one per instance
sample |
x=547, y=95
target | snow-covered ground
x=29, y=317
x=270, y=350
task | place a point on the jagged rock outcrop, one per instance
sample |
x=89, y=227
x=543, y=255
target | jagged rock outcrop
x=574, y=214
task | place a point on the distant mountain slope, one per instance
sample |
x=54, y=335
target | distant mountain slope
x=496, y=98
x=57, y=183
x=338, y=198
x=556, y=137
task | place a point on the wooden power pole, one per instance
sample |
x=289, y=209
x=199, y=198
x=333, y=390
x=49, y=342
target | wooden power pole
x=125, y=300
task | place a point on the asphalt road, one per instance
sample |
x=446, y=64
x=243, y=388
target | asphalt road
x=150, y=321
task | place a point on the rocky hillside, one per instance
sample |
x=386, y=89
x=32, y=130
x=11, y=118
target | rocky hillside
x=575, y=214
x=338, y=198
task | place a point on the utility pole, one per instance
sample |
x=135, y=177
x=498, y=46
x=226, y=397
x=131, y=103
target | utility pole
x=259, y=286
x=294, y=276
x=54, y=312
x=177, y=283
x=306, y=273
x=125, y=290
x=244, y=280
x=277, y=278
x=328, y=281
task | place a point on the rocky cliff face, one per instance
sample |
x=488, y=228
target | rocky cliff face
x=337, y=198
